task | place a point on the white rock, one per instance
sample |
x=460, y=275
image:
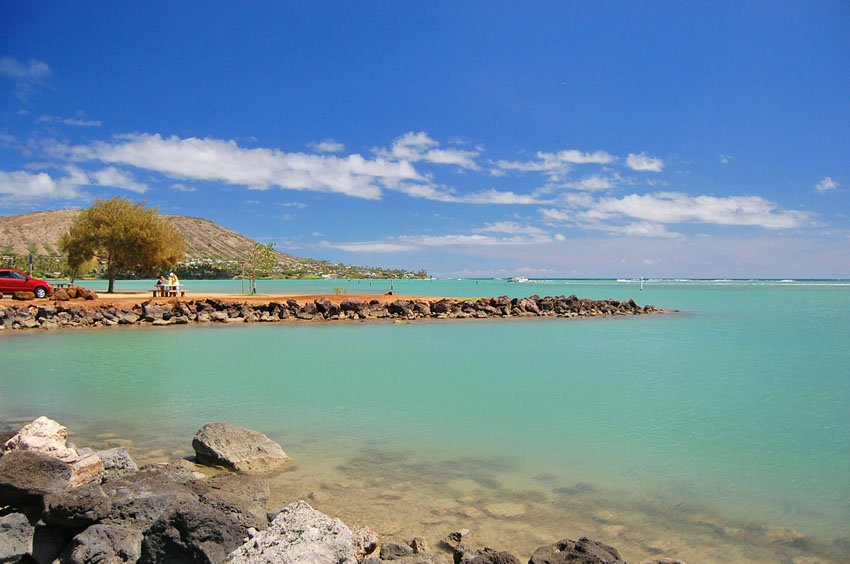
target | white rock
x=299, y=534
x=45, y=436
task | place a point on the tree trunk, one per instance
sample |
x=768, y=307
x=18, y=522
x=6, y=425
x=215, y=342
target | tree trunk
x=111, y=287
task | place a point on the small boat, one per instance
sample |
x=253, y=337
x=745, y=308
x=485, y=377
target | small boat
x=519, y=279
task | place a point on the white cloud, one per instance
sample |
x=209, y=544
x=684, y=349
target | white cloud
x=298, y=205
x=640, y=229
x=180, y=187
x=726, y=159
x=21, y=186
x=26, y=76
x=510, y=227
x=111, y=176
x=430, y=192
x=592, y=183
x=418, y=146
x=369, y=247
x=675, y=207
x=644, y=162
x=328, y=146
x=261, y=169
x=557, y=164
x=78, y=121
x=826, y=184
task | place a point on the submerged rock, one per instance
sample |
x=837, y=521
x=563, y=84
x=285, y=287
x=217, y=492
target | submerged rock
x=239, y=449
x=299, y=534
x=582, y=551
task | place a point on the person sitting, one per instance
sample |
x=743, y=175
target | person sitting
x=160, y=286
x=173, y=285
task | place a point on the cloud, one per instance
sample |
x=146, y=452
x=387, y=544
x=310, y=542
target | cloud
x=78, y=121
x=592, y=183
x=418, y=146
x=643, y=162
x=26, y=76
x=21, y=187
x=298, y=205
x=180, y=187
x=491, y=196
x=225, y=161
x=327, y=146
x=111, y=176
x=491, y=235
x=826, y=184
x=726, y=159
x=640, y=229
x=556, y=164
x=676, y=207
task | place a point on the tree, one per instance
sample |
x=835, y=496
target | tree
x=125, y=236
x=260, y=262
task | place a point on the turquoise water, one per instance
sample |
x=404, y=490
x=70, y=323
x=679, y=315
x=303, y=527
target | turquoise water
x=740, y=404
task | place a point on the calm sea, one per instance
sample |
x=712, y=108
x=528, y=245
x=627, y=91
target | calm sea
x=736, y=410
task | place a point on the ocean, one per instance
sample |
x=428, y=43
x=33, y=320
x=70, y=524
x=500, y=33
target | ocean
x=721, y=431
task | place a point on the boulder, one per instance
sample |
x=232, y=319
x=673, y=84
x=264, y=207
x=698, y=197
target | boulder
x=77, y=508
x=27, y=476
x=395, y=551
x=16, y=535
x=23, y=296
x=45, y=436
x=61, y=295
x=582, y=551
x=299, y=534
x=107, y=543
x=191, y=531
x=116, y=463
x=239, y=449
x=463, y=554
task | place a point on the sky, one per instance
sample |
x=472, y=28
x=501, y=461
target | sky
x=472, y=139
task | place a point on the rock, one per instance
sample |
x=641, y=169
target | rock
x=465, y=555
x=351, y=304
x=106, y=543
x=395, y=550
x=76, y=508
x=786, y=535
x=116, y=463
x=45, y=436
x=191, y=531
x=141, y=499
x=127, y=318
x=419, y=545
x=86, y=470
x=61, y=295
x=582, y=551
x=47, y=543
x=365, y=542
x=16, y=535
x=23, y=296
x=299, y=534
x=238, y=448
x=251, y=489
x=27, y=476
x=457, y=537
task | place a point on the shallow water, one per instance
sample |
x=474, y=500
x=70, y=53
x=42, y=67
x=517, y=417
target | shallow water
x=696, y=435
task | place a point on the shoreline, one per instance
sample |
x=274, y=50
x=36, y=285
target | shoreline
x=141, y=310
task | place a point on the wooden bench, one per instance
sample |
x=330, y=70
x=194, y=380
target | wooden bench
x=166, y=291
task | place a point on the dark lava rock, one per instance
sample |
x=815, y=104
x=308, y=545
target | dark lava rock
x=16, y=535
x=107, y=543
x=116, y=463
x=76, y=508
x=463, y=554
x=27, y=476
x=395, y=550
x=582, y=551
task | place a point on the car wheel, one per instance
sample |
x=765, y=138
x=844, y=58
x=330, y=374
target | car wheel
x=40, y=292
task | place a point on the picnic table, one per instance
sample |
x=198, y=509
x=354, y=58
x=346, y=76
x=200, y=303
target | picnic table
x=168, y=291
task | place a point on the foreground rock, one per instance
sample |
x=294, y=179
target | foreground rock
x=239, y=449
x=582, y=551
x=300, y=534
x=106, y=543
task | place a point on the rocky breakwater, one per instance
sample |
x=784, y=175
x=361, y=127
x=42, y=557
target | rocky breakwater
x=56, y=509
x=181, y=312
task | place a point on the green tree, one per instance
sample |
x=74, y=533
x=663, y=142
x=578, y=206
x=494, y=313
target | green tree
x=125, y=236
x=260, y=262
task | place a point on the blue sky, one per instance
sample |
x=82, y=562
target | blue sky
x=469, y=138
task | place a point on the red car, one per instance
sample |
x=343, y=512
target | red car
x=12, y=280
